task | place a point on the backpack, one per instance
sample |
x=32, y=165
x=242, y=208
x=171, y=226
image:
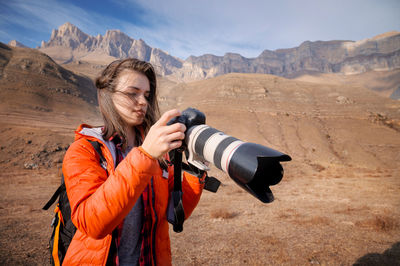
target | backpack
x=63, y=228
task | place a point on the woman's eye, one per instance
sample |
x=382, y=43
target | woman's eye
x=131, y=95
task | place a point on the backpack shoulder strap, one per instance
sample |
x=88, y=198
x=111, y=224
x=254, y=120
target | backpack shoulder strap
x=96, y=145
x=103, y=162
x=54, y=197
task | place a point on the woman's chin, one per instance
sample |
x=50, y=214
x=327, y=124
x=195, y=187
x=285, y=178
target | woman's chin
x=135, y=122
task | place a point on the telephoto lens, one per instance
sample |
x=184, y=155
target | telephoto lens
x=252, y=166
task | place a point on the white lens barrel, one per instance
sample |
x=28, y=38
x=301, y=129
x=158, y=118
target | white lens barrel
x=212, y=145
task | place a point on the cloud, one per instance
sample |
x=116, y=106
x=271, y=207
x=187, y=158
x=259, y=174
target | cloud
x=37, y=15
x=41, y=17
x=208, y=26
x=249, y=27
x=185, y=28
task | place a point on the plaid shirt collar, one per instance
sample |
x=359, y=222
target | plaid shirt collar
x=117, y=140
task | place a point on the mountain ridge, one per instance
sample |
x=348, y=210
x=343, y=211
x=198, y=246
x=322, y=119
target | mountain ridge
x=381, y=52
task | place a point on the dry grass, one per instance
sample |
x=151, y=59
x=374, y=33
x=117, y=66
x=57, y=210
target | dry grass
x=289, y=214
x=317, y=167
x=223, y=214
x=315, y=220
x=379, y=223
x=351, y=210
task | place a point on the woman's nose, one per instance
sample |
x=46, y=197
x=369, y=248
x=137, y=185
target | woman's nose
x=142, y=100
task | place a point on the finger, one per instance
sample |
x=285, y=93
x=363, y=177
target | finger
x=177, y=127
x=168, y=116
x=175, y=136
x=175, y=145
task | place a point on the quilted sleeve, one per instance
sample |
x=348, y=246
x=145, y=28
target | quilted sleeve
x=100, y=202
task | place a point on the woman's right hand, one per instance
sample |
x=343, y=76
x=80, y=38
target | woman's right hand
x=162, y=138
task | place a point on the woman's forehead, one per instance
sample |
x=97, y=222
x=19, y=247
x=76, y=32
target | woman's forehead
x=129, y=80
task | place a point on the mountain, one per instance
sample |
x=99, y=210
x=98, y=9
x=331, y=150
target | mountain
x=15, y=43
x=382, y=53
x=347, y=57
x=68, y=43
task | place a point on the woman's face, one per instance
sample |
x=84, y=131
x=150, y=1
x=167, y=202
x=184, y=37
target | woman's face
x=130, y=97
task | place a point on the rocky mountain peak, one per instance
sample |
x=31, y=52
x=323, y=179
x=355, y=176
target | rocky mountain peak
x=15, y=43
x=67, y=35
x=114, y=43
x=67, y=28
x=117, y=40
x=116, y=34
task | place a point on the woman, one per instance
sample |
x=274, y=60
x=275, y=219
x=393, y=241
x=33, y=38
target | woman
x=120, y=208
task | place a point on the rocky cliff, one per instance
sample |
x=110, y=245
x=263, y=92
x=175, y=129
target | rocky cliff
x=68, y=43
x=349, y=57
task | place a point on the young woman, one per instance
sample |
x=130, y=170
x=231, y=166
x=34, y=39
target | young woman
x=120, y=208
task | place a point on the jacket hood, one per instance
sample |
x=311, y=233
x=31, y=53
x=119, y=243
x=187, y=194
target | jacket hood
x=95, y=133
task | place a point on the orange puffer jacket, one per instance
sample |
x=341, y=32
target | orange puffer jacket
x=101, y=199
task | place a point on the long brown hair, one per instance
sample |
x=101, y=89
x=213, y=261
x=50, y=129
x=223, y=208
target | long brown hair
x=106, y=84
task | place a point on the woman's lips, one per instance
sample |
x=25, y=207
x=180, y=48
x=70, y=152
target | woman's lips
x=140, y=112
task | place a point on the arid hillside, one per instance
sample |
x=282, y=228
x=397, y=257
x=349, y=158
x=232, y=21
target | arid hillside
x=386, y=83
x=338, y=203
x=317, y=123
x=28, y=71
x=37, y=94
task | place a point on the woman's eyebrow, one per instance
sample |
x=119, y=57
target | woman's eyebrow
x=136, y=88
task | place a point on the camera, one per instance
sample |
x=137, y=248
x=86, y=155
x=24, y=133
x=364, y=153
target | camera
x=252, y=166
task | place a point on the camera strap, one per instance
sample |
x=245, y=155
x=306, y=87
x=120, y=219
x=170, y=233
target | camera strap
x=179, y=213
x=176, y=213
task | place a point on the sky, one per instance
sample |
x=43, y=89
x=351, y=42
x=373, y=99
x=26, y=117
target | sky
x=183, y=28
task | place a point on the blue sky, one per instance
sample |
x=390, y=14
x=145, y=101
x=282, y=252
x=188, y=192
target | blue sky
x=183, y=28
